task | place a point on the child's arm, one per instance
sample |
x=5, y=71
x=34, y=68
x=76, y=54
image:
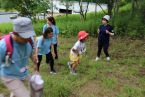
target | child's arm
x=98, y=31
x=57, y=30
x=34, y=58
x=58, y=40
x=111, y=34
x=75, y=51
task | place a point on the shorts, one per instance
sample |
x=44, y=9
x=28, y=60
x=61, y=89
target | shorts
x=74, y=58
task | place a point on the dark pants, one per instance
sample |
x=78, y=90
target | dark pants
x=49, y=59
x=105, y=46
x=55, y=51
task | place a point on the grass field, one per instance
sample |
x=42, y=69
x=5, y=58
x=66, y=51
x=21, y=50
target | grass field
x=123, y=76
x=67, y=26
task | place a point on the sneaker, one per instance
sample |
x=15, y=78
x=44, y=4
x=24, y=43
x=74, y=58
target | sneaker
x=108, y=58
x=52, y=72
x=69, y=65
x=73, y=72
x=56, y=58
x=97, y=58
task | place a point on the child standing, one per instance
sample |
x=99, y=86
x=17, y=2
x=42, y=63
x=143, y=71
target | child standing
x=105, y=31
x=51, y=23
x=77, y=51
x=43, y=48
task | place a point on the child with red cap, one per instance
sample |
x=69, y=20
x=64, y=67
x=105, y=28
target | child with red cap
x=77, y=50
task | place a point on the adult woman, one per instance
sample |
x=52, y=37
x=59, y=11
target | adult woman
x=51, y=23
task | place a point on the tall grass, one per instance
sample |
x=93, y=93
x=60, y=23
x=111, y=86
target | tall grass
x=68, y=25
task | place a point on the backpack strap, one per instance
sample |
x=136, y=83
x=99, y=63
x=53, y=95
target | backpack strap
x=31, y=42
x=9, y=45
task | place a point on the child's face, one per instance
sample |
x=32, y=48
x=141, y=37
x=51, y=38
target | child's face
x=104, y=22
x=49, y=22
x=83, y=40
x=20, y=39
x=50, y=35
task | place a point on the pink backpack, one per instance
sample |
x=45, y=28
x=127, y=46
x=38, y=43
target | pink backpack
x=9, y=44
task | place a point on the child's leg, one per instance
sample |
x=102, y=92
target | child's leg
x=50, y=58
x=105, y=47
x=100, y=46
x=55, y=51
x=39, y=62
x=75, y=64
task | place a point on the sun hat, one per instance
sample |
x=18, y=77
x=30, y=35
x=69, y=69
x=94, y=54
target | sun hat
x=82, y=35
x=106, y=17
x=23, y=27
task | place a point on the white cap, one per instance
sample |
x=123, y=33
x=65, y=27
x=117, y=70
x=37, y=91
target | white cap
x=23, y=26
x=107, y=17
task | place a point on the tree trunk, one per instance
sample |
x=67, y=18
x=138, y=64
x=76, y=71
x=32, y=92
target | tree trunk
x=96, y=9
x=67, y=6
x=52, y=8
x=86, y=11
x=110, y=7
x=102, y=8
x=81, y=10
x=44, y=15
x=116, y=10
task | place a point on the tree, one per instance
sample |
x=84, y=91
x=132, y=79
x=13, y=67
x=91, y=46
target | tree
x=67, y=4
x=42, y=7
x=84, y=7
x=26, y=7
x=109, y=5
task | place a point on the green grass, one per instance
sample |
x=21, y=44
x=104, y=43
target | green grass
x=67, y=26
x=121, y=77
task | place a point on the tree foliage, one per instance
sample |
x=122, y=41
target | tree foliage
x=26, y=7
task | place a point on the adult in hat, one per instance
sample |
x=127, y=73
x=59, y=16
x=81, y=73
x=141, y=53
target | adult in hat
x=15, y=70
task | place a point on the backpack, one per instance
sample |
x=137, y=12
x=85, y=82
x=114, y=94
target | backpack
x=9, y=44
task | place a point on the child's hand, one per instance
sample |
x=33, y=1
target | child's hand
x=107, y=32
x=112, y=34
x=98, y=30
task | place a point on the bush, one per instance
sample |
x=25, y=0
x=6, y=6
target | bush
x=73, y=24
x=68, y=26
x=6, y=28
x=136, y=27
x=131, y=25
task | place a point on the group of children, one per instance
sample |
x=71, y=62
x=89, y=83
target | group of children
x=22, y=49
x=50, y=36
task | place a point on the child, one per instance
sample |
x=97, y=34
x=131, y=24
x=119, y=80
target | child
x=77, y=51
x=14, y=69
x=51, y=23
x=43, y=47
x=105, y=31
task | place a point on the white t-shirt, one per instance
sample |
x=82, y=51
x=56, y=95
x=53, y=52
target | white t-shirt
x=80, y=46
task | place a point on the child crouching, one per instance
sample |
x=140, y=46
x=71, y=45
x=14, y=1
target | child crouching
x=77, y=50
